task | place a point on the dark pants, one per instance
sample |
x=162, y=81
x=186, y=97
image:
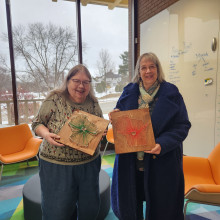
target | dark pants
x=140, y=193
x=65, y=187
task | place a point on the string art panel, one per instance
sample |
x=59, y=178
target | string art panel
x=132, y=131
x=83, y=131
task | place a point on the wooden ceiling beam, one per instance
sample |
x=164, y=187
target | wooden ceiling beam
x=113, y=5
x=85, y=2
x=110, y=3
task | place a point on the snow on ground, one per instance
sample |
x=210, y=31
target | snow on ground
x=109, y=97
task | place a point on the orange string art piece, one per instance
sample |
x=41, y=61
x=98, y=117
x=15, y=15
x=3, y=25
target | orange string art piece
x=132, y=131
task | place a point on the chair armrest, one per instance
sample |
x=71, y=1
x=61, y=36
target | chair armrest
x=196, y=166
x=33, y=145
x=30, y=150
x=196, y=170
x=109, y=136
x=207, y=188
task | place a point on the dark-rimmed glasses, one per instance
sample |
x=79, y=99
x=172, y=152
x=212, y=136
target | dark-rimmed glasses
x=77, y=82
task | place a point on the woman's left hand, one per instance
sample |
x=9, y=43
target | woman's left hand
x=155, y=150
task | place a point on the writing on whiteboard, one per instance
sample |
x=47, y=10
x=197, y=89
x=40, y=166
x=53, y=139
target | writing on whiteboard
x=200, y=62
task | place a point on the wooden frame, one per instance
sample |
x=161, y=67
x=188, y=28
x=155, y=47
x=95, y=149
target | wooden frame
x=83, y=131
x=132, y=131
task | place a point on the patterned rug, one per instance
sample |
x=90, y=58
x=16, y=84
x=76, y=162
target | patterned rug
x=16, y=175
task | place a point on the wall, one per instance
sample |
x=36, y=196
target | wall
x=144, y=9
x=181, y=36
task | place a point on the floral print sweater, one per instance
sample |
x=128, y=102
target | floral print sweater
x=53, y=114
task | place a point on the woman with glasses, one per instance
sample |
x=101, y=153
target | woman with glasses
x=154, y=176
x=69, y=178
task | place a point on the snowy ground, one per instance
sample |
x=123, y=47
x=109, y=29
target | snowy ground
x=107, y=102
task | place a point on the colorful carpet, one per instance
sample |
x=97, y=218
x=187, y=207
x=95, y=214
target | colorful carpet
x=16, y=175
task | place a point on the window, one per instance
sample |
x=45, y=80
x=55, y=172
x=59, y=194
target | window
x=42, y=29
x=45, y=45
x=105, y=51
x=6, y=98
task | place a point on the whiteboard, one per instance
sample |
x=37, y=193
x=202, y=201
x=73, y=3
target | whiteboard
x=181, y=37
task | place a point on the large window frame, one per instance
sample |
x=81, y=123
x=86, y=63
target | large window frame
x=79, y=47
x=11, y=50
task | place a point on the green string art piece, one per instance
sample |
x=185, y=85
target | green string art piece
x=83, y=130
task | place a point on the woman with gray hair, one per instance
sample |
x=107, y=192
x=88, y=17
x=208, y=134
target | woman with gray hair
x=154, y=176
x=69, y=178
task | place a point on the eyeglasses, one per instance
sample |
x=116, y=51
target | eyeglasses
x=144, y=68
x=77, y=82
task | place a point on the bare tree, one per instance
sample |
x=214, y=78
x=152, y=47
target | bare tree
x=5, y=82
x=43, y=53
x=4, y=68
x=105, y=63
x=5, y=78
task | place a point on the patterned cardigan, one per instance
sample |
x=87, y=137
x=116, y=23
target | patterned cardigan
x=53, y=114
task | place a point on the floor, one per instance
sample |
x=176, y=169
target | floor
x=16, y=175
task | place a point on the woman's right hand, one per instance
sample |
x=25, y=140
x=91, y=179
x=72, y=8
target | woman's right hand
x=43, y=132
x=109, y=114
x=51, y=138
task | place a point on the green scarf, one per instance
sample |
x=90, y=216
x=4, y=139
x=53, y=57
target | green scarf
x=146, y=96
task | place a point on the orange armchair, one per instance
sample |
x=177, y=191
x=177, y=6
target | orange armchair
x=202, y=178
x=110, y=139
x=17, y=144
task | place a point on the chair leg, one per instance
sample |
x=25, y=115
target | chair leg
x=105, y=149
x=1, y=172
x=185, y=206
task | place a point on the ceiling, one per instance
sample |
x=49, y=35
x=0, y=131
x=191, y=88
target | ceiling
x=110, y=3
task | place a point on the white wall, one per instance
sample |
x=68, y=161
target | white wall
x=181, y=36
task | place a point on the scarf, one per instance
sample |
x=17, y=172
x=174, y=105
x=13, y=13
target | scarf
x=146, y=96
